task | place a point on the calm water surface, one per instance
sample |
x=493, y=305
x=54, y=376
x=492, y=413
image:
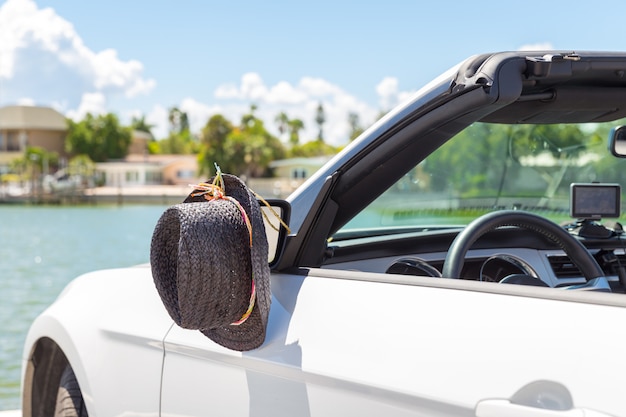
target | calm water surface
x=42, y=249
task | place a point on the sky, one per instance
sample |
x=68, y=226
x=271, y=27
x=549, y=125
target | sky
x=140, y=58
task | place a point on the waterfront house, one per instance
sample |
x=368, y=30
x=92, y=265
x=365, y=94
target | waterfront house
x=139, y=170
x=24, y=126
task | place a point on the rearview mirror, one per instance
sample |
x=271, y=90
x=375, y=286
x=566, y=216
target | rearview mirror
x=617, y=141
x=278, y=210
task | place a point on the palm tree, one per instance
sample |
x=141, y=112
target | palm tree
x=282, y=121
x=178, y=119
x=320, y=118
x=295, y=126
x=140, y=124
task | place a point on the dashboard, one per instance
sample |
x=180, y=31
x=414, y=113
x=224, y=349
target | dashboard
x=496, y=255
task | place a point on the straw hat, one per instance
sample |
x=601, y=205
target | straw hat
x=209, y=260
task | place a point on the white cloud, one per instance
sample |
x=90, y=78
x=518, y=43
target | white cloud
x=283, y=92
x=111, y=73
x=387, y=90
x=158, y=117
x=300, y=101
x=94, y=103
x=197, y=113
x=45, y=62
x=26, y=101
x=227, y=91
x=252, y=86
x=317, y=87
x=42, y=56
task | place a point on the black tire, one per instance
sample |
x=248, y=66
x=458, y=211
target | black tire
x=70, y=401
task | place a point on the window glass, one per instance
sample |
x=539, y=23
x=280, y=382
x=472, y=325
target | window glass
x=493, y=166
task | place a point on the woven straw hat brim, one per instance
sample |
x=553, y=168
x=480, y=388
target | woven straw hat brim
x=202, y=265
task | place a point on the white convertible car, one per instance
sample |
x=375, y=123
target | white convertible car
x=462, y=257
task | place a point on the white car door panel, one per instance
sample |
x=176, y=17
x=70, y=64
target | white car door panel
x=420, y=343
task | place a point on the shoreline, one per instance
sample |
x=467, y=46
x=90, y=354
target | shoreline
x=153, y=194
x=140, y=194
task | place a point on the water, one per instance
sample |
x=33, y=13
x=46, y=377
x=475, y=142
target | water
x=42, y=249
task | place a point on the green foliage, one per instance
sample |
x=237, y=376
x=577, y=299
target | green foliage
x=246, y=150
x=140, y=124
x=182, y=143
x=34, y=162
x=180, y=140
x=535, y=159
x=18, y=166
x=312, y=148
x=213, y=139
x=295, y=126
x=154, y=147
x=282, y=121
x=41, y=158
x=101, y=138
x=291, y=126
x=81, y=165
x=249, y=153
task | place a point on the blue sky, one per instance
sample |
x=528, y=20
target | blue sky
x=143, y=57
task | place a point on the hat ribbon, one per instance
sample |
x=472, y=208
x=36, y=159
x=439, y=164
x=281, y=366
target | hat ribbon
x=215, y=191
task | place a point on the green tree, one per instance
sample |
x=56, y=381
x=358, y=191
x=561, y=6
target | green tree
x=35, y=163
x=179, y=121
x=320, y=119
x=44, y=161
x=180, y=140
x=83, y=167
x=212, y=141
x=101, y=138
x=312, y=148
x=140, y=124
x=547, y=152
x=250, y=148
x=19, y=167
x=295, y=126
x=183, y=143
x=282, y=121
x=291, y=126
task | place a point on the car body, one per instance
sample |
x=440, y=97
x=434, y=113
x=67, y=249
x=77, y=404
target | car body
x=361, y=322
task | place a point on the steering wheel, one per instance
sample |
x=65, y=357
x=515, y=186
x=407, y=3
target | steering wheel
x=576, y=251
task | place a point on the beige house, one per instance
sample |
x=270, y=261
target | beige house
x=298, y=168
x=24, y=126
x=139, y=170
x=289, y=174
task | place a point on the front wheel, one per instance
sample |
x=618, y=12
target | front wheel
x=70, y=401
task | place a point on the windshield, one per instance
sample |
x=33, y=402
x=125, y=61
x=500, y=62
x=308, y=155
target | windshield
x=495, y=166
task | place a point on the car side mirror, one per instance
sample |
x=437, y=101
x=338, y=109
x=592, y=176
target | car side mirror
x=617, y=141
x=276, y=215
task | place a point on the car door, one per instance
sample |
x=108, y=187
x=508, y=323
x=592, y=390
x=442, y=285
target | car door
x=347, y=343
x=316, y=361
